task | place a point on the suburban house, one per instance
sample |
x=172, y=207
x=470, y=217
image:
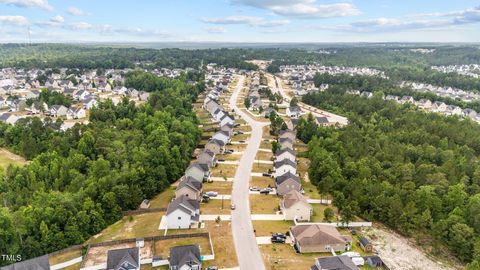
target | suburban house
x=425, y=104
x=227, y=119
x=211, y=106
x=268, y=111
x=287, y=134
x=218, y=114
x=286, y=153
x=293, y=111
x=183, y=213
x=38, y=107
x=89, y=103
x=222, y=136
x=227, y=128
x=438, y=106
x=406, y=99
x=185, y=258
x=284, y=166
x=76, y=113
x=322, y=121
x=190, y=188
x=365, y=244
x=342, y=262
x=207, y=157
x=58, y=111
x=392, y=97
x=295, y=206
x=285, y=143
x=286, y=183
x=8, y=118
x=215, y=146
x=366, y=94
x=469, y=113
x=38, y=263
x=198, y=171
x=81, y=95
x=319, y=238
x=123, y=259
x=454, y=110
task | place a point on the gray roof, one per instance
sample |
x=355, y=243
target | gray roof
x=281, y=151
x=216, y=141
x=201, y=166
x=190, y=182
x=288, y=175
x=342, y=262
x=38, y=263
x=117, y=258
x=364, y=241
x=184, y=255
x=283, y=140
x=5, y=116
x=322, y=120
x=184, y=204
x=278, y=164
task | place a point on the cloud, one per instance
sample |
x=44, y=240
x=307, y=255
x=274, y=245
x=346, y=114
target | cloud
x=57, y=19
x=78, y=26
x=43, y=4
x=75, y=11
x=306, y=9
x=216, y=30
x=248, y=20
x=108, y=29
x=14, y=20
x=411, y=22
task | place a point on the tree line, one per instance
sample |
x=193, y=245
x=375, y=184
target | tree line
x=417, y=172
x=79, y=181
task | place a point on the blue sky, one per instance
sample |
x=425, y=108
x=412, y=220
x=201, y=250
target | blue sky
x=240, y=20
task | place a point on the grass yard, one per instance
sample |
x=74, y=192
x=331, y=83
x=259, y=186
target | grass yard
x=214, y=207
x=8, y=158
x=310, y=190
x=262, y=155
x=261, y=167
x=318, y=212
x=65, y=256
x=223, y=188
x=228, y=157
x=282, y=256
x=73, y=267
x=162, y=247
x=261, y=181
x=267, y=227
x=266, y=133
x=264, y=204
x=130, y=227
x=222, y=240
x=237, y=147
x=266, y=145
x=163, y=199
x=244, y=128
x=240, y=137
x=224, y=170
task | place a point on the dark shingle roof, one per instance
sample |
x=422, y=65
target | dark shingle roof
x=342, y=262
x=184, y=204
x=39, y=263
x=188, y=181
x=117, y=258
x=279, y=164
x=286, y=176
x=184, y=255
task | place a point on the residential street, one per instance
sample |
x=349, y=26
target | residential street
x=248, y=253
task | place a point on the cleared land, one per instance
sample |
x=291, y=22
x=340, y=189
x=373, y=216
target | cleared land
x=8, y=158
x=264, y=204
x=224, y=170
x=214, y=207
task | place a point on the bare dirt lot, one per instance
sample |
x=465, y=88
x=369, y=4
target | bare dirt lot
x=98, y=255
x=399, y=254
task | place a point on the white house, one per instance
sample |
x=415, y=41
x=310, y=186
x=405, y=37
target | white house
x=286, y=153
x=76, y=113
x=183, y=213
x=295, y=206
x=284, y=166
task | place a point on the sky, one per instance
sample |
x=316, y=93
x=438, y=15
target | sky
x=272, y=21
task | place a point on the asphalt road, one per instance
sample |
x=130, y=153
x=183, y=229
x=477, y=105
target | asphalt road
x=248, y=253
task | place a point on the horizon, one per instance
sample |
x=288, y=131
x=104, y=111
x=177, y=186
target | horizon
x=239, y=21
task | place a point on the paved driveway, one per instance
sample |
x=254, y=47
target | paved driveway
x=248, y=253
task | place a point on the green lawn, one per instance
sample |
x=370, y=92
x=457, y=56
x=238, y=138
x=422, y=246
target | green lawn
x=163, y=199
x=8, y=158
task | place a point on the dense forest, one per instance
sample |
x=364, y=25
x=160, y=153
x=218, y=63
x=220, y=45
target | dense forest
x=343, y=82
x=416, y=172
x=79, y=181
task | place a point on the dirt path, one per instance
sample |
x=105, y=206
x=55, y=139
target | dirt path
x=399, y=254
x=11, y=155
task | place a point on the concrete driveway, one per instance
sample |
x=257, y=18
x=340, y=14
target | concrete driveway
x=248, y=253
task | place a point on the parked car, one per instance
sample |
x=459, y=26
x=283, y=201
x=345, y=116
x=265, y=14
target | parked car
x=281, y=235
x=232, y=206
x=212, y=193
x=254, y=189
x=267, y=174
x=228, y=151
x=211, y=268
x=276, y=239
x=265, y=191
